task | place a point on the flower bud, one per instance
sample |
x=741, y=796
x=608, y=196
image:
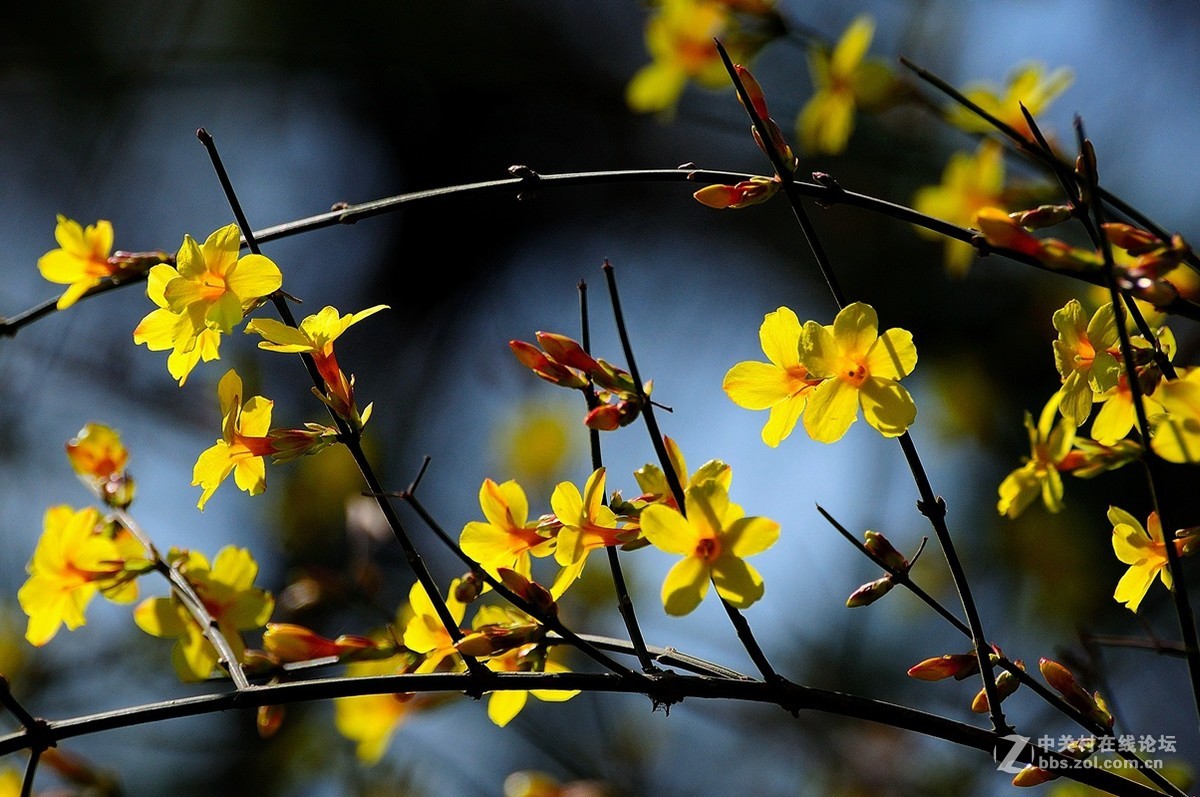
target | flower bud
x=1006, y=684
x=1041, y=216
x=289, y=642
x=870, y=592
x=537, y=595
x=1132, y=239
x=744, y=194
x=1032, y=776
x=753, y=91
x=951, y=665
x=1065, y=684
x=1000, y=230
x=268, y=720
x=537, y=361
x=469, y=587
x=878, y=545
x=564, y=350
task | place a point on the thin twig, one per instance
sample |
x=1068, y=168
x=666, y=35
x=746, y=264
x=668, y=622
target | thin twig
x=346, y=435
x=624, y=602
x=744, y=632
x=1183, y=607
x=930, y=505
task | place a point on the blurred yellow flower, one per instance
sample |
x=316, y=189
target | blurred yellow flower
x=970, y=181
x=679, y=37
x=228, y=592
x=1028, y=84
x=844, y=80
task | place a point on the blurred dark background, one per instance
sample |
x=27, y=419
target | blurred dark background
x=311, y=105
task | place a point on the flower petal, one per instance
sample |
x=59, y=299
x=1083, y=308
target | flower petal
x=685, y=586
x=887, y=406
x=737, y=582
x=831, y=409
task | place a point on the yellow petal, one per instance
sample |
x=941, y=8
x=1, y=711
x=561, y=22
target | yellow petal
x=831, y=409
x=737, y=582
x=503, y=706
x=887, y=406
x=892, y=355
x=1133, y=586
x=757, y=385
x=751, y=535
x=254, y=276
x=668, y=530
x=779, y=336
x=853, y=45
x=782, y=419
x=278, y=336
x=685, y=586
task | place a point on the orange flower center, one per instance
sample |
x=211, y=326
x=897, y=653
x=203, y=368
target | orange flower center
x=708, y=549
x=213, y=287
x=855, y=373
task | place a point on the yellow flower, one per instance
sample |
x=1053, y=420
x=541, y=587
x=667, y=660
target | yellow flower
x=1049, y=446
x=425, y=634
x=75, y=558
x=782, y=385
x=844, y=79
x=370, y=720
x=243, y=442
x=1175, y=432
x=1028, y=85
x=214, y=286
x=228, y=592
x=680, y=40
x=315, y=336
x=860, y=368
x=81, y=260
x=163, y=330
x=1084, y=357
x=713, y=539
x=970, y=181
x=506, y=538
x=1144, y=550
x=587, y=524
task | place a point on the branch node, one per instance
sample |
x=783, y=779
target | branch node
x=934, y=510
x=528, y=176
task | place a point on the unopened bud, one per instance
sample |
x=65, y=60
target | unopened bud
x=753, y=91
x=1032, y=776
x=1065, y=684
x=1133, y=240
x=469, y=587
x=1006, y=684
x=1000, y=230
x=951, y=665
x=1042, y=216
x=878, y=545
x=744, y=194
x=536, y=360
x=870, y=592
x=268, y=720
x=608, y=417
x=534, y=593
x=564, y=350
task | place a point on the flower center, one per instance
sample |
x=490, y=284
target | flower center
x=212, y=287
x=853, y=372
x=708, y=549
